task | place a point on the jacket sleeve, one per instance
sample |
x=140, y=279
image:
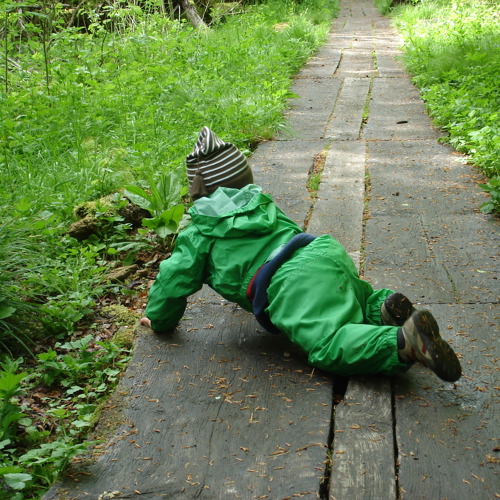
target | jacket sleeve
x=180, y=276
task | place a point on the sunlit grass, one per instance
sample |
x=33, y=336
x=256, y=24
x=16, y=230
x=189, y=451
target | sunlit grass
x=91, y=114
x=452, y=49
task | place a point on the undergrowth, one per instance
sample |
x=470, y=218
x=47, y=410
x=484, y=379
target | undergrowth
x=452, y=50
x=111, y=108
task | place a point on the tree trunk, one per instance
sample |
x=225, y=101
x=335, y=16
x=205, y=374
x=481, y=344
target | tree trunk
x=192, y=14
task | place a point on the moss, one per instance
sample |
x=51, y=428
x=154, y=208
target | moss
x=121, y=314
x=126, y=320
x=124, y=337
x=104, y=206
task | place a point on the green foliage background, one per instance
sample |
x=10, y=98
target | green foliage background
x=85, y=112
x=88, y=112
x=120, y=106
x=452, y=51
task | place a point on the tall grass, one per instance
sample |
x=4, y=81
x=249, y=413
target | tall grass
x=95, y=112
x=452, y=50
x=83, y=115
x=122, y=106
x=16, y=252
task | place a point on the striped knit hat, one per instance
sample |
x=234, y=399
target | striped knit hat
x=215, y=163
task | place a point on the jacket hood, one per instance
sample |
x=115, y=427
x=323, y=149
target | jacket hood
x=233, y=213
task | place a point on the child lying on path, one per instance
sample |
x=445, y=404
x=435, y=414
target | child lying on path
x=307, y=288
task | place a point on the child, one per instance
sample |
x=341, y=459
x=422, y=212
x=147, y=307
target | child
x=307, y=288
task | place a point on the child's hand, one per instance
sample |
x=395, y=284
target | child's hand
x=146, y=322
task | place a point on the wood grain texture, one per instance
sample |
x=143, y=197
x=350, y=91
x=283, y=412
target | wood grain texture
x=363, y=464
x=448, y=434
x=216, y=410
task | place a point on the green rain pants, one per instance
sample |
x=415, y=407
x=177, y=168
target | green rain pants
x=317, y=299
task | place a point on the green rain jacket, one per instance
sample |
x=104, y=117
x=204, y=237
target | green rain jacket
x=231, y=234
x=315, y=298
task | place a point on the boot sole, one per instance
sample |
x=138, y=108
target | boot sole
x=445, y=363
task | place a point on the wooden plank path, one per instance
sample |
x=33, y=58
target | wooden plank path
x=222, y=410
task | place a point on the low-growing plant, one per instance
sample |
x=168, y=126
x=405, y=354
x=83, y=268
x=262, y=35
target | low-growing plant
x=451, y=50
x=493, y=189
x=12, y=477
x=10, y=386
x=46, y=462
x=84, y=371
x=163, y=200
x=68, y=286
x=384, y=6
x=74, y=362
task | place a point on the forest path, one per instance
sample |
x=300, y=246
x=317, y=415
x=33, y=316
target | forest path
x=222, y=410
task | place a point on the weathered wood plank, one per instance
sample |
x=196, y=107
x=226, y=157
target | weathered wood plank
x=387, y=42
x=310, y=110
x=427, y=239
x=363, y=446
x=411, y=246
x=338, y=210
x=281, y=168
x=357, y=63
x=216, y=410
x=363, y=464
x=448, y=435
x=397, y=112
x=324, y=62
x=349, y=109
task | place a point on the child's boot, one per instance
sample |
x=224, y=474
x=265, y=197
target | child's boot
x=419, y=340
x=396, y=309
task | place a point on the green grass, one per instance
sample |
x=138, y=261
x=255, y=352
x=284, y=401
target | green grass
x=84, y=115
x=452, y=51
x=98, y=112
x=16, y=253
x=384, y=6
x=121, y=107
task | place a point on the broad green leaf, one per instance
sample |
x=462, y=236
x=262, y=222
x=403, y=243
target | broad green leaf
x=17, y=481
x=3, y=444
x=163, y=231
x=139, y=196
x=9, y=383
x=6, y=311
x=152, y=223
x=172, y=217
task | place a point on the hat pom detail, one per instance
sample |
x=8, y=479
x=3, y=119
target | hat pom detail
x=197, y=188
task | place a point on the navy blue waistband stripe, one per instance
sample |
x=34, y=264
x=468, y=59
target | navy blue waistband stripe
x=261, y=280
